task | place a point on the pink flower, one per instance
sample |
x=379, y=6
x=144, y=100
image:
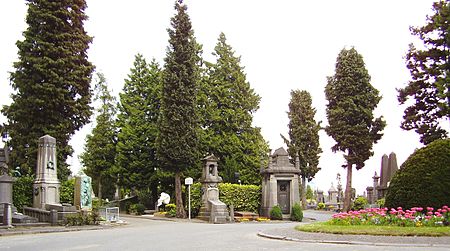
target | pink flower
x=445, y=207
x=419, y=209
x=444, y=211
x=430, y=213
x=430, y=208
x=399, y=208
x=427, y=217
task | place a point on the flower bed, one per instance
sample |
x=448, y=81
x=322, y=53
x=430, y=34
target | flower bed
x=415, y=217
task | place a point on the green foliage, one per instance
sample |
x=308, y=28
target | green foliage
x=381, y=202
x=171, y=210
x=227, y=105
x=23, y=192
x=276, y=213
x=423, y=180
x=67, y=190
x=137, y=123
x=429, y=86
x=351, y=101
x=309, y=193
x=177, y=141
x=320, y=206
x=80, y=219
x=297, y=213
x=100, y=149
x=51, y=82
x=137, y=209
x=359, y=203
x=242, y=197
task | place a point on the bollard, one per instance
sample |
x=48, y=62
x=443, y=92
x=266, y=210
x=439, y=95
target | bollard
x=7, y=215
x=53, y=217
x=231, y=213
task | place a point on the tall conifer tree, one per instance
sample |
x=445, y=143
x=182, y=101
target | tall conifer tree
x=177, y=148
x=351, y=101
x=230, y=105
x=303, y=137
x=137, y=122
x=51, y=82
x=100, y=149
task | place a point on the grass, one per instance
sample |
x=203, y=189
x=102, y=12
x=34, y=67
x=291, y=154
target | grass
x=324, y=227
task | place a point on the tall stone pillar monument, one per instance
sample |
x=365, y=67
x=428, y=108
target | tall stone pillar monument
x=46, y=185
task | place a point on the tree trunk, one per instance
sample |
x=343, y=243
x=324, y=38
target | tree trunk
x=348, y=189
x=178, y=196
x=303, y=194
x=99, y=195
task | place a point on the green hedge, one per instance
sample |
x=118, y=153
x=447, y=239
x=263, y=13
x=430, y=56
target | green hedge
x=242, y=197
x=423, y=179
x=23, y=192
x=67, y=191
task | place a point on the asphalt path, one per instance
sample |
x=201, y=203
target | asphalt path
x=145, y=234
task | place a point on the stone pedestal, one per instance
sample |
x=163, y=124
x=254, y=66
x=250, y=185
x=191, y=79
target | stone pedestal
x=212, y=210
x=83, y=192
x=6, y=186
x=46, y=185
x=280, y=184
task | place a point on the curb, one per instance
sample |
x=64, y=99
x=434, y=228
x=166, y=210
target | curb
x=43, y=231
x=285, y=238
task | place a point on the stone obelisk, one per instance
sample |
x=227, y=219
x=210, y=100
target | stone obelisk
x=46, y=185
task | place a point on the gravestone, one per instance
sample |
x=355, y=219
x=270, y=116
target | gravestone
x=280, y=184
x=83, y=192
x=212, y=209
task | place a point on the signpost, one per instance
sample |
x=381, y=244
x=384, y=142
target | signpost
x=189, y=181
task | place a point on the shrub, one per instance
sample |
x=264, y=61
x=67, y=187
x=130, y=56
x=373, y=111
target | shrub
x=423, y=179
x=359, y=203
x=171, y=210
x=380, y=202
x=320, y=206
x=23, y=192
x=276, y=213
x=242, y=197
x=67, y=191
x=137, y=209
x=79, y=219
x=297, y=213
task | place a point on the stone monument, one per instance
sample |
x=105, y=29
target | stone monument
x=280, y=184
x=387, y=171
x=46, y=185
x=212, y=210
x=83, y=192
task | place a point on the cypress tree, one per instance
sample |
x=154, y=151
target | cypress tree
x=177, y=142
x=304, y=137
x=100, y=149
x=351, y=101
x=230, y=105
x=51, y=82
x=138, y=129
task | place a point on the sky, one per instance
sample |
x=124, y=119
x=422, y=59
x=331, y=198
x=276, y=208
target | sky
x=284, y=45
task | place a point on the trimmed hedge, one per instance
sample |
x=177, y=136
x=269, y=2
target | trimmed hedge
x=67, y=191
x=23, y=192
x=242, y=197
x=423, y=179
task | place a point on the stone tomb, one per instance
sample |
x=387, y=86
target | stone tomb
x=212, y=210
x=280, y=184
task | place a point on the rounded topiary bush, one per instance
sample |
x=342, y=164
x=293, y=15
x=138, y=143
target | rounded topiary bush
x=276, y=213
x=423, y=179
x=297, y=213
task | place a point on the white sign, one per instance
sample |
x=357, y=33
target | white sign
x=188, y=181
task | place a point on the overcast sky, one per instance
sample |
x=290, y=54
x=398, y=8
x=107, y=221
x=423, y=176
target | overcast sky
x=284, y=45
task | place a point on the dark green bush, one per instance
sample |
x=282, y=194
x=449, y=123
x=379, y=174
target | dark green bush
x=23, y=192
x=137, y=209
x=66, y=191
x=276, y=213
x=297, y=213
x=359, y=203
x=85, y=218
x=423, y=179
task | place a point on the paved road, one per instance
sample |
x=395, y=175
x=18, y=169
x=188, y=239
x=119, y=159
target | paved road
x=144, y=234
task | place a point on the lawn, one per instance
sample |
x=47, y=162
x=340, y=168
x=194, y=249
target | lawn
x=324, y=227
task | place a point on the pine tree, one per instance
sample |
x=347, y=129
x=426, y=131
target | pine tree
x=351, y=101
x=304, y=137
x=177, y=142
x=430, y=72
x=100, y=149
x=138, y=129
x=51, y=82
x=230, y=105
